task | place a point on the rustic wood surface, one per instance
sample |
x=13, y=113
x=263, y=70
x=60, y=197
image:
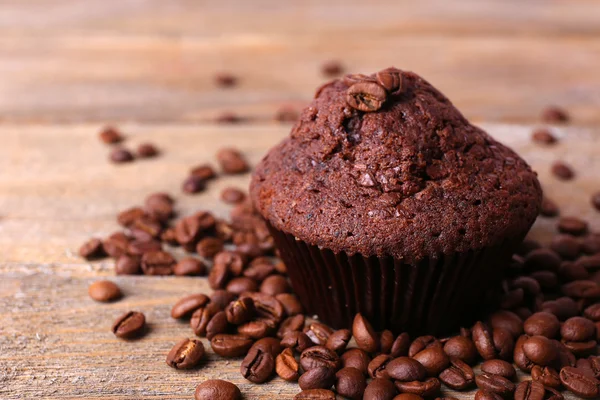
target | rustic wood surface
x=68, y=67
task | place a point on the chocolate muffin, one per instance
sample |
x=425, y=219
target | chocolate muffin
x=385, y=200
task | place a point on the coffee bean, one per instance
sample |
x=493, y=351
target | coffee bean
x=231, y=195
x=241, y=285
x=364, y=334
x=157, y=263
x=259, y=271
x=572, y=225
x=286, y=366
x=218, y=276
x=547, y=280
x=216, y=389
x=540, y=350
x=488, y=342
x=542, y=324
x=553, y=394
x=356, y=358
x=405, y=369
x=422, y=342
x=410, y=396
x=380, y=389
x=258, y=365
x=581, y=349
x=267, y=307
x=274, y=285
x=189, y=267
x=290, y=303
x=428, y=388
x=270, y=345
x=338, y=340
x=128, y=265
x=147, y=150
x=297, y=341
x=257, y=329
x=495, y=384
x=580, y=384
x=129, y=325
x=350, y=383
x=201, y=317
x=221, y=298
x=294, y=323
x=507, y=320
x=203, y=171
x=209, y=247
x=590, y=244
x=400, y=345
x=319, y=356
x=459, y=375
x=566, y=246
x=433, y=359
x=570, y=271
x=565, y=356
x=543, y=136
x=240, y=311
x=565, y=307
x=193, y=184
x=377, y=366
x=542, y=260
x=318, y=333
x=366, y=96
x=581, y=289
x=217, y=324
x=332, y=68
x=104, y=291
x=233, y=261
x=120, y=155
x=593, y=312
x=110, y=135
x=315, y=394
x=186, y=354
x=317, y=378
x=139, y=247
x=487, y=395
x=529, y=285
x=554, y=114
x=286, y=113
x=578, y=329
x=546, y=376
x=462, y=348
x=529, y=390
x=590, y=263
x=232, y=161
x=386, y=340
x=116, y=244
x=499, y=367
x=127, y=217
x=92, y=249
x=186, y=306
x=562, y=171
x=228, y=346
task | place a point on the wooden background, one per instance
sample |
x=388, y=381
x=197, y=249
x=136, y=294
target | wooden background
x=69, y=67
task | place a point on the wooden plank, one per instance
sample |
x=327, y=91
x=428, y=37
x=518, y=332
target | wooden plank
x=57, y=189
x=161, y=79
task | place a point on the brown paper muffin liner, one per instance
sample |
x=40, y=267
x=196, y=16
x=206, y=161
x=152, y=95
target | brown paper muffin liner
x=436, y=295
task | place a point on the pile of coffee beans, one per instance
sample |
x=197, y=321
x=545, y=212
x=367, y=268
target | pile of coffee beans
x=545, y=320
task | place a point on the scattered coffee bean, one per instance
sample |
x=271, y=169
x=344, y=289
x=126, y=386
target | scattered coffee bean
x=258, y=365
x=400, y=345
x=366, y=96
x=129, y=325
x=187, y=305
x=578, y=329
x=356, y=358
x=228, y=346
x=508, y=320
x=216, y=389
x=298, y=341
x=255, y=329
x=232, y=161
x=549, y=208
x=128, y=265
x=580, y=384
x=499, y=367
x=231, y=195
x=338, y=340
x=572, y=225
x=487, y=395
x=110, y=135
x=592, y=312
x=405, y=369
x=386, y=341
x=274, y=285
x=462, y=348
x=92, y=249
x=104, y=291
x=529, y=390
x=120, y=155
x=495, y=383
x=377, y=366
x=596, y=200
x=317, y=378
x=189, y=267
x=286, y=114
x=147, y=150
x=422, y=342
x=542, y=324
x=543, y=136
x=201, y=318
x=554, y=114
x=364, y=334
x=225, y=80
x=318, y=333
x=428, y=388
x=193, y=184
x=240, y=311
x=286, y=366
x=540, y=350
x=459, y=375
x=204, y=172
x=290, y=303
x=186, y=354
x=350, y=383
x=222, y=298
x=380, y=389
x=410, y=396
x=433, y=359
x=562, y=171
x=315, y=394
x=157, y=263
x=546, y=376
x=332, y=68
x=209, y=247
x=319, y=356
x=290, y=324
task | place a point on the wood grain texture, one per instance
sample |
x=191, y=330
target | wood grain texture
x=57, y=189
x=69, y=61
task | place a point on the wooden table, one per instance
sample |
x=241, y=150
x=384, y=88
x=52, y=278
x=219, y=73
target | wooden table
x=70, y=67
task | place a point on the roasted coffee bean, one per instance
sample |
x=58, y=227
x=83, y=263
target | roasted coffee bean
x=286, y=113
x=410, y=396
x=495, y=383
x=120, y=155
x=232, y=161
x=286, y=366
x=572, y=225
x=555, y=114
x=186, y=306
x=290, y=303
x=563, y=307
x=578, y=329
x=241, y=285
x=458, y=376
x=580, y=384
x=428, y=388
x=433, y=359
x=240, y=311
x=221, y=298
x=294, y=323
x=317, y=378
x=189, y=267
x=127, y=217
x=376, y=367
x=350, y=383
x=315, y=394
x=592, y=312
x=129, y=325
x=209, y=247
x=229, y=346
x=546, y=376
x=570, y=271
x=269, y=344
x=492, y=344
x=110, y=135
x=542, y=324
x=216, y=389
x=219, y=276
x=319, y=356
x=499, y=367
x=258, y=365
x=188, y=230
x=297, y=341
x=318, y=333
x=562, y=171
x=139, y=247
x=257, y=329
x=231, y=195
x=553, y=394
x=386, y=340
x=203, y=171
x=259, y=271
x=486, y=395
x=591, y=365
x=582, y=289
x=104, y=291
x=128, y=265
x=512, y=298
x=364, y=334
x=201, y=317
x=338, y=340
x=507, y=320
x=380, y=389
x=590, y=263
x=225, y=79
x=235, y=262
x=529, y=285
x=169, y=236
x=422, y=342
x=590, y=244
x=356, y=358
x=217, y=324
x=157, y=263
x=116, y=244
x=543, y=136
x=193, y=184
x=274, y=285
x=566, y=246
x=159, y=205
x=186, y=354
x=267, y=307
x=581, y=349
x=540, y=350
x=462, y=348
x=332, y=68
x=366, y=96
x=547, y=280
x=523, y=312
x=400, y=345
x=565, y=356
x=147, y=150
x=529, y=390
x=519, y=357
x=405, y=369
x=542, y=260
x=92, y=249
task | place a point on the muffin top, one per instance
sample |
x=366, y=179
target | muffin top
x=385, y=165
